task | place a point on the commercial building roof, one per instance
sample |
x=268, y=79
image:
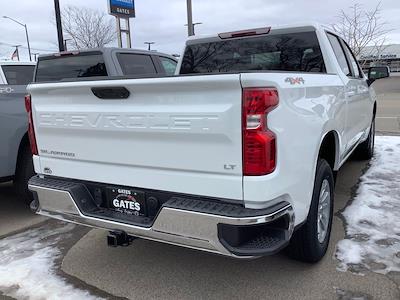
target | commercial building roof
x=385, y=52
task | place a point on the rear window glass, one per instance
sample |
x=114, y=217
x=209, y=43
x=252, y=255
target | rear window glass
x=297, y=52
x=70, y=67
x=136, y=64
x=18, y=75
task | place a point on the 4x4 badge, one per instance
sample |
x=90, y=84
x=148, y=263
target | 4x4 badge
x=295, y=80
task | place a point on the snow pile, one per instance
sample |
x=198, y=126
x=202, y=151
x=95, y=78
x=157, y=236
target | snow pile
x=27, y=265
x=373, y=219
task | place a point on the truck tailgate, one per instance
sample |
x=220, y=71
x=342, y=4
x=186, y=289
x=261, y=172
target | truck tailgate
x=179, y=134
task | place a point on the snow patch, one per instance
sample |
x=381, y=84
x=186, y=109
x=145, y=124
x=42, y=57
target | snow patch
x=373, y=219
x=27, y=265
x=353, y=253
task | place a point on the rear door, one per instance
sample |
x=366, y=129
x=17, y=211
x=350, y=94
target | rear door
x=180, y=134
x=363, y=107
x=351, y=93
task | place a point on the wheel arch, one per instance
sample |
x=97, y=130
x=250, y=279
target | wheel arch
x=329, y=149
x=24, y=142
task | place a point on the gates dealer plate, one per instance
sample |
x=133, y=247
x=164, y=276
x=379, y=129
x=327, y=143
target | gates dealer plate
x=127, y=201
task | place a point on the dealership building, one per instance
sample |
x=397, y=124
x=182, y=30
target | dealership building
x=383, y=56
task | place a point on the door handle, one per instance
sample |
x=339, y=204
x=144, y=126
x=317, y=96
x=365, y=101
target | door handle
x=111, y=93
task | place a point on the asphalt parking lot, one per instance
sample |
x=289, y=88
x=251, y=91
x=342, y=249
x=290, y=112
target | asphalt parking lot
x=388, y=115
x=14, y=214
x=149, y=270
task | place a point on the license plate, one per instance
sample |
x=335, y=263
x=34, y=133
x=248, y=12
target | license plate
x=127, y=201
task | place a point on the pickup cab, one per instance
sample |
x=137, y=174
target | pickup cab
x=103, y=62
x=15, y=155
x=236, y=154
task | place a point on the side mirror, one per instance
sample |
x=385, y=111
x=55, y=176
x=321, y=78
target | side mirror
x=375, y=73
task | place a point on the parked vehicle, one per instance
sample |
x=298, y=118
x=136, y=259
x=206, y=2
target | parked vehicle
x=103, y=62
x=15, y=155
x=235, y=155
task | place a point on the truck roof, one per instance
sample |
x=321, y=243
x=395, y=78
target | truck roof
x=17, y=63
x=285, y=28
x=108, y=50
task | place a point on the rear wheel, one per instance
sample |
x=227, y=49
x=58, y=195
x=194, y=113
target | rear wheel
x=365, y=150
x=24, y=172
x=310, y=242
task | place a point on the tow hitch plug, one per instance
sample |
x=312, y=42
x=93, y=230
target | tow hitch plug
x=119, y=238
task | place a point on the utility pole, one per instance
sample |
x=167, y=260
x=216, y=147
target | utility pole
x=190, y=18
x=59, y=26
x=149, y=43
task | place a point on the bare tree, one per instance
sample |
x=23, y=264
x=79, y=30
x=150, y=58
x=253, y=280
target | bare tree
x=87, y=28
x=360, y=27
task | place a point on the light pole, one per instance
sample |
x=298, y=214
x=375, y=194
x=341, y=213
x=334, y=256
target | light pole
x=26, y=32
x=149, y=43
x=194, y=24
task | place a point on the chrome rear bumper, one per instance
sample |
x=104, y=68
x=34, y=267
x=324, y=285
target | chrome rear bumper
x=192, y=229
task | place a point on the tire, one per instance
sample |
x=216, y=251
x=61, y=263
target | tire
x=365, y=151
x=24, y=172
x=307, y=244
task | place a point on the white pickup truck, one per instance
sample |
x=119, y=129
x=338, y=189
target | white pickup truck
x=235, y=155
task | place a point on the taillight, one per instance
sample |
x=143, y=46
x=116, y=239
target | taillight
x=31, y=130
x=259, y=143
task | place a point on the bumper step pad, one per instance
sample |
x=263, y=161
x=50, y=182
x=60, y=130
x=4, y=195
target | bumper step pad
x=221, y=209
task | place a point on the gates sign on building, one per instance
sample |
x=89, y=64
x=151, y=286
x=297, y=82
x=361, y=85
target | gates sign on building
x=122, y=8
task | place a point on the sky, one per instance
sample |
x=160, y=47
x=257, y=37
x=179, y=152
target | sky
x=162, y=21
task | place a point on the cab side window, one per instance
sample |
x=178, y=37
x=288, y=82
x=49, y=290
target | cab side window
x=169, y=65
x=353, y=61
x=340, y=55
x=136, y=64
x=18, y=75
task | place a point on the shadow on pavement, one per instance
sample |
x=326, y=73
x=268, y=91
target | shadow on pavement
x=15, y=215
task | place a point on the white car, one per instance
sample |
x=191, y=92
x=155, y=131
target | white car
x=235, y=155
